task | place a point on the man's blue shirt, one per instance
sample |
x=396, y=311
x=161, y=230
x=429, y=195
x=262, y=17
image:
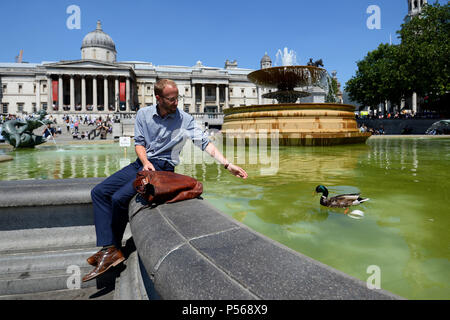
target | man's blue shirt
x=164, y=138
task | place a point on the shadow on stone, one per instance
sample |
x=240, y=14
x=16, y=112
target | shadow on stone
x=129, y=247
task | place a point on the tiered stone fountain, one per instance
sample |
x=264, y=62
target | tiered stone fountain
x=297, y=124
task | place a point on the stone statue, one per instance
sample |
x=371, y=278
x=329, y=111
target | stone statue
x=19, y=133
x=317, y=63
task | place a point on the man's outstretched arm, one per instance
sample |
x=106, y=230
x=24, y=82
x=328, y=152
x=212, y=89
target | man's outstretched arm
x=234, y=169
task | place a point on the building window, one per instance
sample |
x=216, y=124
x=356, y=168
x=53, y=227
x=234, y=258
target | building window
x=5, y=108
x=34, y=88
x=149, y=89
x=20, y=107
x=186, y=90
x=44, y=88
x=4, y=88
x=34, y=107
x=20, y=88
x=197, y=109
x=186, y=108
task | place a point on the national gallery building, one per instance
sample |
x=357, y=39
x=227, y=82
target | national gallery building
x=99, y=85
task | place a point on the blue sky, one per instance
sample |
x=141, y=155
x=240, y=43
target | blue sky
x=181, y=32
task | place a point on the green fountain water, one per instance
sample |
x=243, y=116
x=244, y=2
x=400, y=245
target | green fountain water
x=405, y=226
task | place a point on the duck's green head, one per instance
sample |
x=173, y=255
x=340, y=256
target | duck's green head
x=322, y=189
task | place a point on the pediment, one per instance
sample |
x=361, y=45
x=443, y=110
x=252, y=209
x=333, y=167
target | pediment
x=86, y=64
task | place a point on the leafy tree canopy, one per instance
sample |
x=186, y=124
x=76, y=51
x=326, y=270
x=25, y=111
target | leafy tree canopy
x=420, y=63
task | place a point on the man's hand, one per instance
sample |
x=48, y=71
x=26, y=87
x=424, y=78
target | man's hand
x=142, y=155
x=216, y=154
x=237, y=171
x=148, y=166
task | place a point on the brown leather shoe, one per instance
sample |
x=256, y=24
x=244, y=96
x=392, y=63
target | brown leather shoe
x=93, y=260
x=107, y=259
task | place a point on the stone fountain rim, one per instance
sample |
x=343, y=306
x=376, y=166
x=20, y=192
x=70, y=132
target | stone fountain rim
x=290, y=106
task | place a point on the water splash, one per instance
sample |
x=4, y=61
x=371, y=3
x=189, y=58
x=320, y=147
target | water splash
x=287, y=57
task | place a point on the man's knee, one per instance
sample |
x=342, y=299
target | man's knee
x=120, y=201
x=97, y=192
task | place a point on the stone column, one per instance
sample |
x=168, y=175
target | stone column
x=194, y=104
x=217, y=98
x=49, y=93
x=72, y=93
x=94, y=93
x=38, y=95
x=128, y=96
x=143, y=85
x=116, y=94
x=414, y=103
x=105, y=93
x=203, y=99
x=258, y=90
x=83, y=93
x=226, y=97
x=60, y=93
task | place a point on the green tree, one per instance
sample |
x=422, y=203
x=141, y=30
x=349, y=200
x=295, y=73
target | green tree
x=378, y=78
x=425, y=52
x=419, y=64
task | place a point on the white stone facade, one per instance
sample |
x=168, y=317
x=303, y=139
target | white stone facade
x=99, y=85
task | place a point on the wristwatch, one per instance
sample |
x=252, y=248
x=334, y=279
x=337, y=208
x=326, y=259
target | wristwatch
x=226, y=165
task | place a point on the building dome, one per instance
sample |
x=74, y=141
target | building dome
x=266, y=58
x=98, y=38
x=266, y=62
x=97, y=45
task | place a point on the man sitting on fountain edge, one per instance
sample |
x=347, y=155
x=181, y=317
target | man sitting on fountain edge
x=160, y=133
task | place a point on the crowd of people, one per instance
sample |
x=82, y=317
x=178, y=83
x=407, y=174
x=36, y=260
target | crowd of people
x=101, y=127
x=364, y=128
x=398, y=115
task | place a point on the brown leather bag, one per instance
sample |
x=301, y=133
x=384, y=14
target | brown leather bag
x=166, y=187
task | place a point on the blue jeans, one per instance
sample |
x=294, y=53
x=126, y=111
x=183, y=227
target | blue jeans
x=111, y=198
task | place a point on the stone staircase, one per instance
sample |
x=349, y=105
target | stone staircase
x=44, y=260
x=44, y=244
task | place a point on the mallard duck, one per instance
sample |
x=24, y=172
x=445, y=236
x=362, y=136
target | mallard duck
x=339, y=201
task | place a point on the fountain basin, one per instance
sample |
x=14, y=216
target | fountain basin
x=4, y=158
x=305, y=124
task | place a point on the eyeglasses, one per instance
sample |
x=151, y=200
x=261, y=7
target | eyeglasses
x=172, y=99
